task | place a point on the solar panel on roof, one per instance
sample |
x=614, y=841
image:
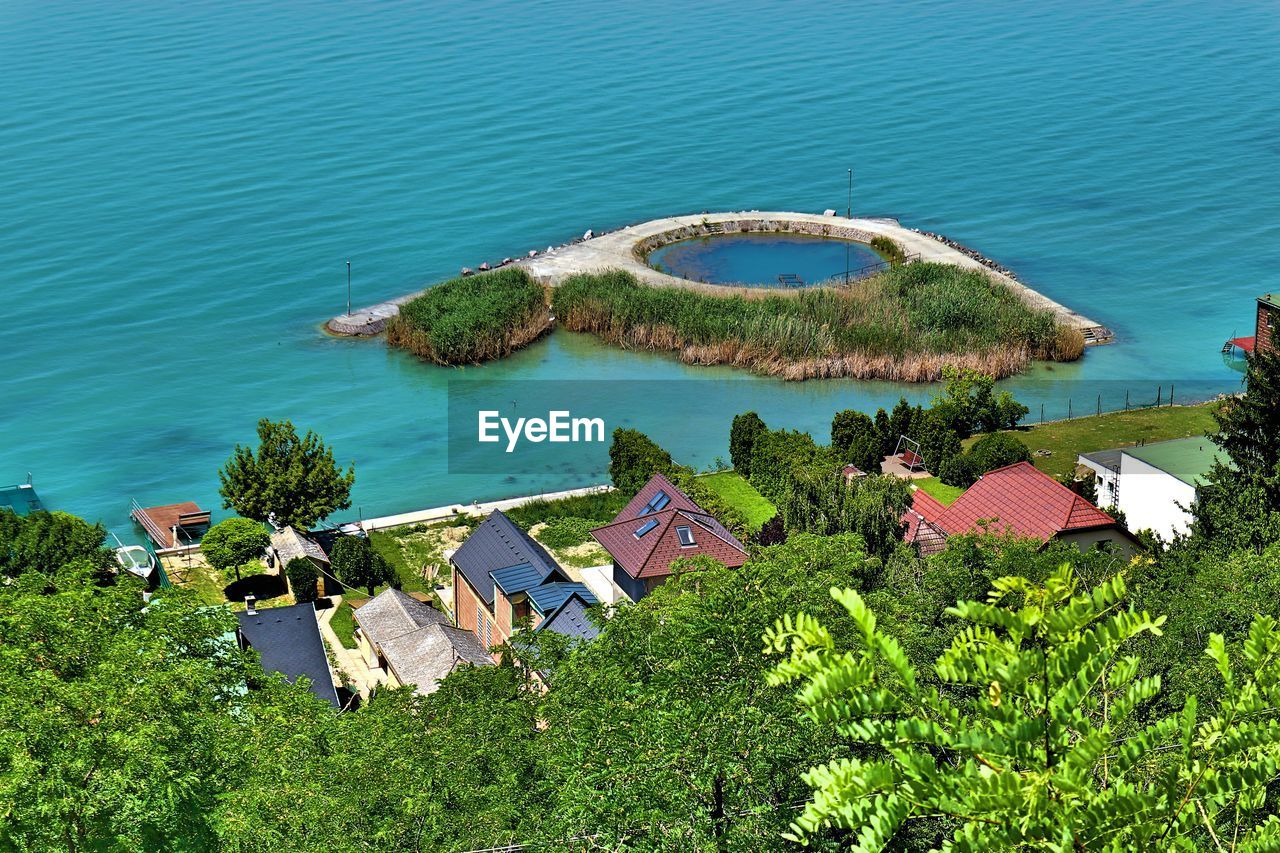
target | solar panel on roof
x=646, y=527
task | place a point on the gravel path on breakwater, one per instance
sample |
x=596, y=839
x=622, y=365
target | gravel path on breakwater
x=625, y=249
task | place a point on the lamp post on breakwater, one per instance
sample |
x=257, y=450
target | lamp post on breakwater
x=348, y=288
x=848, y=214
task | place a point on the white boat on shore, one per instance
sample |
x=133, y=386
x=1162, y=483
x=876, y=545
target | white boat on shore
x=137, y=561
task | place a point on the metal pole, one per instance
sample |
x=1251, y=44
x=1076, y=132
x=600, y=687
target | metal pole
x=348, y=288
x=1170, y=393
x=848, y=214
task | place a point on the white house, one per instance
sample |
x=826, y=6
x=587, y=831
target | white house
x=1154, y=484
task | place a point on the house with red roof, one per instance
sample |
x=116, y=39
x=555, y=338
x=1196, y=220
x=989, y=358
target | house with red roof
x=660, y=525
x=1018, y=499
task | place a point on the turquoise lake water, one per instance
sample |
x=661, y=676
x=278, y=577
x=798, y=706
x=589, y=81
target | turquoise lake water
x=759, y=259
x=184, y=183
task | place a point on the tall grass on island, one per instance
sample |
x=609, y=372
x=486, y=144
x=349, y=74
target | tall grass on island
x=473, y=319
x=903, y=324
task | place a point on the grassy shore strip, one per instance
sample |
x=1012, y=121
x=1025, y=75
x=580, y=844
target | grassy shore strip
x=735, y=491
x=904, y=324
x=1065, y=440
x=473, y=319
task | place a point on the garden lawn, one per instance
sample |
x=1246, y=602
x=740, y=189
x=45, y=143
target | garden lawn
x=944, y=494
x=1068, y=439
x=343, y=623
x=734, y=490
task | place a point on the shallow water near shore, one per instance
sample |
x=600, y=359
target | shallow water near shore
x=184, y=186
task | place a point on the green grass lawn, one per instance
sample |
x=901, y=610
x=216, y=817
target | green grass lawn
x=1068, y=439
x=741, y=495
x=945, y=494
x=344, y=625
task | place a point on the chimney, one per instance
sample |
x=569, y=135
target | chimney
x=248, y=605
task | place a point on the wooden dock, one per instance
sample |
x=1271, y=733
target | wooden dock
x=172, y=527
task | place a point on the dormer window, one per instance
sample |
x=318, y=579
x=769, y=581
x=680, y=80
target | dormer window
x=686, y=536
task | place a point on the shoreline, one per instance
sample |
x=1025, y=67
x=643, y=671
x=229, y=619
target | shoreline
x=624, y=248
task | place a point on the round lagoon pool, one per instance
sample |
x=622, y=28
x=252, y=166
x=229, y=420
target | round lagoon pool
x=757, y=260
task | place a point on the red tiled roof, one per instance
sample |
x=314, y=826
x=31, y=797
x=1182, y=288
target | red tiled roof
x=1022, y=499
x=651, y=554
x=926, y=504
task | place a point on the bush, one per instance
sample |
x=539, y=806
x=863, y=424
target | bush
x=889, y=249
x=905, y=323
x=746, y=428
x=231, y=543
x=303, y=577
x=634, y=458
x=567, y=532
x=996, y=450
x=356, y=564
x=599, y=507
x=473, y=319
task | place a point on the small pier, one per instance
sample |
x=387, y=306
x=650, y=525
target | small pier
x=21, y=498
x=172, y=528
x=627, y=248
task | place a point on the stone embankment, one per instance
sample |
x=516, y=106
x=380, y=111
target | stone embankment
x=626, y=249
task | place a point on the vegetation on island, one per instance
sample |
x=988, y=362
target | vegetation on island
x=1000, y=694
x=468, y=320
x=906, y=323
x=288, y=480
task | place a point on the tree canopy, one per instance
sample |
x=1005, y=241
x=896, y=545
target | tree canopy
x=233, y=542
x=288, y=479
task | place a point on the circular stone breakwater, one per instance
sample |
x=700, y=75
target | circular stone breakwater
x=627, y=249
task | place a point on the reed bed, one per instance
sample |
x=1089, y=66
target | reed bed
x=473, y=319
x=904, y=324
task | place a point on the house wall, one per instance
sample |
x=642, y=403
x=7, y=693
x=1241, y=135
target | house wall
x=466, y=600
x=1087, y=540
x=634, y=589
x=367, y=651
x=1150, y=498
x=501, y=616
x=1268, y=329
x=1108, y=482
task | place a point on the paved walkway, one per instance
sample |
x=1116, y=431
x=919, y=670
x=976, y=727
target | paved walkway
x=442, y=513
x=350, y=661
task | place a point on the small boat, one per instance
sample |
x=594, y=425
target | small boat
x=137, y=560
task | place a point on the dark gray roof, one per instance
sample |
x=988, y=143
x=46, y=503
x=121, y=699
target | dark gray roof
x=288, y=641
x=549, y=596
x=571, y=619
x=392, y=613
x=495, y=544
x=1109, y=459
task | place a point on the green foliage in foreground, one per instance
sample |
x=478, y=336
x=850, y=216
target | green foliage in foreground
x=472, y=319
x=291, y=479
x=1036, y=735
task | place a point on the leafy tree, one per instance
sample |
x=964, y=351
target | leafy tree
x=777, y=453
x=746, y=428
x=939, y=442
x=356, y=564
x=991, y=451
x=874, y=511
x=900, y=422
x=854, y=435
x=700, y=753
x=118, y=726
x=233, y=542
x=820, y=500
x=634, y=458
x=303, y=576
x=1238, y=505
x=1036, y=735
x=290, y=480
x=46, y=541
x=969, y=403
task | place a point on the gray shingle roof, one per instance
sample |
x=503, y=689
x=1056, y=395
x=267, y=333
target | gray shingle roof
x=495, y=544
x=288, y=641
x=289, y=543
x=392, y=613
x=571, y=619
x=420, y=645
